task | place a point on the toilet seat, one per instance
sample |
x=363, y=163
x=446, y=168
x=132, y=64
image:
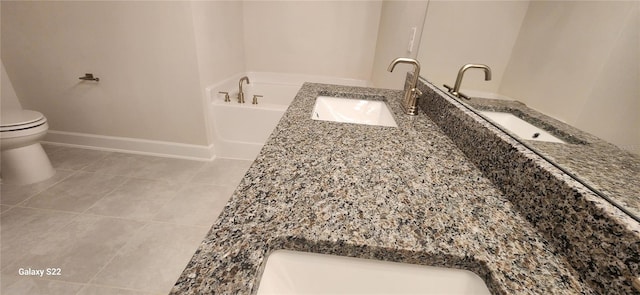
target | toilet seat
x=13, y=120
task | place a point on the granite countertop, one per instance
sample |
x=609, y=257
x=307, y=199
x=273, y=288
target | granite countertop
x=604, y=166
x=405, y=194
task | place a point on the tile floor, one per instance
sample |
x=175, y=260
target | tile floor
x=112, y=223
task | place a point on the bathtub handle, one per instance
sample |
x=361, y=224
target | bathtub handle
x=226, y=96
x=255, y=99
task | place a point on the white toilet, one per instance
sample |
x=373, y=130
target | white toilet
x=22, y=158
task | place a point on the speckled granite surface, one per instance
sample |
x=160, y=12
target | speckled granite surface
x=404, y=194
x=602, y=165
x=598, y=240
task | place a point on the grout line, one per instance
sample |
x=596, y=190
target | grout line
x=202, y=168
x=107, y=154
x=46, y=279
x=107, y=193
x=119, y=251
x=47, y=210
x=4, y=212
x=127, y=218
x=23, y=203
x=116, y=253
x=47, y=187
x=115, y=188
x=202, y=164
x=80, y=168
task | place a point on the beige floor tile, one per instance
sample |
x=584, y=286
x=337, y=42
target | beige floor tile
x=137, y=199
x=224, y=172
x=102, y=290
x=196, y=205
x=154, y=259
x=25, y=285
x=79, y=249
x=23, y=228
x=75, y=158
x=14, y=194
x=76, y=193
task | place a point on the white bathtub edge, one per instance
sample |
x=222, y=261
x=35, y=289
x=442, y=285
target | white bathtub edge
x=131, y=145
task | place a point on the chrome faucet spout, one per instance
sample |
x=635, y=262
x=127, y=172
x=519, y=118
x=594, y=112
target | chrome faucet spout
x=456, y=87
x=411, y=93
x=487, y=74
x=240, y=92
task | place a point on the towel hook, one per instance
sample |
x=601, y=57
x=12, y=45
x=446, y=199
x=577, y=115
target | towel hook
x=89, y=77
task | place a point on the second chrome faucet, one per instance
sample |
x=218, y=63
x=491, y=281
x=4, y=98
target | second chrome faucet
x=455, y=90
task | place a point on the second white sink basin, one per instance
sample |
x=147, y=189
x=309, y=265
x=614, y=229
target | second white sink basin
x=349, y=110
x=292, y=272
x=519, y=127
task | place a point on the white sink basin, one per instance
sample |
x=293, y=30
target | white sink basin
x=291, y=272
x=519, y=127
x=349, y=110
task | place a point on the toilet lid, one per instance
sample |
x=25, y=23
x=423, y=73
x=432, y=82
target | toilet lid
x=10, y=119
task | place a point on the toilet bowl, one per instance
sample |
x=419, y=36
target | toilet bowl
x=23, y=160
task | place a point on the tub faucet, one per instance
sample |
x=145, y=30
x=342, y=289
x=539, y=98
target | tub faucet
x=411, y=93
x=456, y=88
x=240, y=93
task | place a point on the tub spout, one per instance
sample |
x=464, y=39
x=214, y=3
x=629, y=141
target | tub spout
x=240, y=93
x=456, y=87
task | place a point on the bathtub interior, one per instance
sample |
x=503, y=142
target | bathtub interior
x=240, y=130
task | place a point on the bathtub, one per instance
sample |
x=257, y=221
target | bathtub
x=239, y=131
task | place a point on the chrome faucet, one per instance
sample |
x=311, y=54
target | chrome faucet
x=456, y=88
x=240, y=93
x=411, y=93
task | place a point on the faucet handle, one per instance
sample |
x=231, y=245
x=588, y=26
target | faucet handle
x=460, y=94
x=417, y=92
x=226, y=96
x=448, y=87
x=255, y=99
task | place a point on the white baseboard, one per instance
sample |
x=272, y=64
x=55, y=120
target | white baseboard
x=131, y=145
